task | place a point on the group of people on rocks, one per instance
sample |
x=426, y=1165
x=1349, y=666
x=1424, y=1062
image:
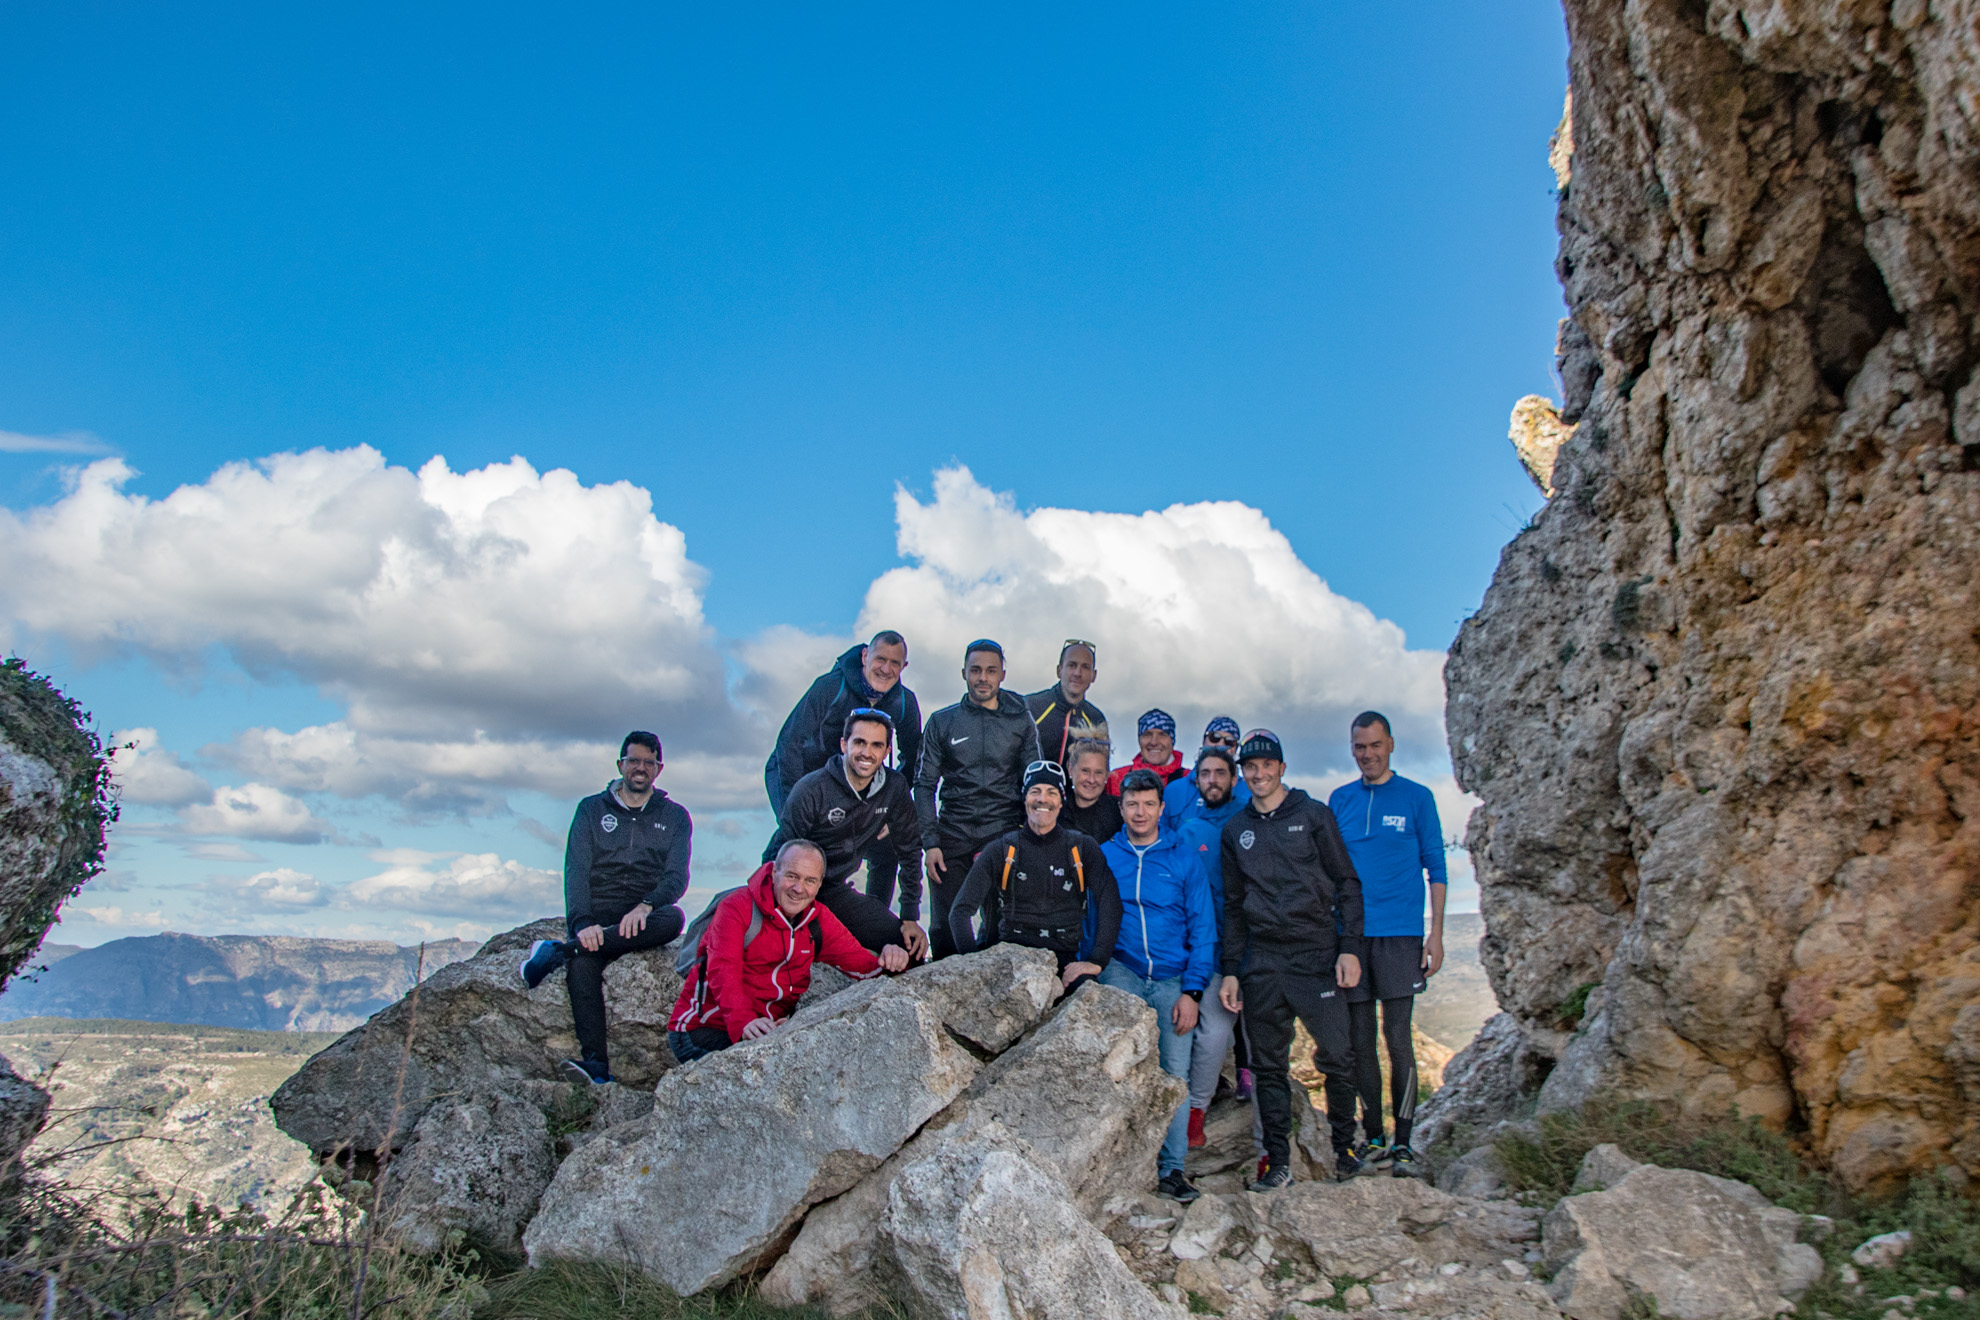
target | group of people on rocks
x=1232, y=903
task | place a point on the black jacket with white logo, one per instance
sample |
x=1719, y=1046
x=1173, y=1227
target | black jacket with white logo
x=1047, y=882
x=617, y=857
x=825, y=809
x=977, y=756
x=1291, y=897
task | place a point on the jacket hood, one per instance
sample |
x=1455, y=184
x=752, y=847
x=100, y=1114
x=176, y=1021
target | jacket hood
x=764, y=896
x=836, y=767
x=850, y=670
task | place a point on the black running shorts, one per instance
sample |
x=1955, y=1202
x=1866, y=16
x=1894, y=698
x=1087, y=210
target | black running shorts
x=1392, y=968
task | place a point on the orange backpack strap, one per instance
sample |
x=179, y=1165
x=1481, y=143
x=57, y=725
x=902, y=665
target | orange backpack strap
x=1010, y=857
x=1079, y=869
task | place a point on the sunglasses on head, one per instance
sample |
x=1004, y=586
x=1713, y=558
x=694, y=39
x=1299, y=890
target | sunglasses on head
x=1071, y=642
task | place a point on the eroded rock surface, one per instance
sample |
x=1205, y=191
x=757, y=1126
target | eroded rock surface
x=1722, y=701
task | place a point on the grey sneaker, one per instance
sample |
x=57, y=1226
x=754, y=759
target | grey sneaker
x=1274, y=1178
x=583, y=1071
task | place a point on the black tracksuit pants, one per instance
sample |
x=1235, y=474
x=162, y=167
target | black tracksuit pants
x=942, y=896
x=585, y=979
x=868, y=920
x=883, y=867
x=1274, y=1000
x=1401, y=1048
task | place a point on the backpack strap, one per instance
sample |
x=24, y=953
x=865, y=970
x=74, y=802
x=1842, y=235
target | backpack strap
x=1079, y=868
x=1010, y=857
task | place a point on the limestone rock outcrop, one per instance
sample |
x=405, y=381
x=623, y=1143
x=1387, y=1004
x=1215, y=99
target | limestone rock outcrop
x=1722, y=701
x=1721, y=1250
x=821, y=1103
x=55, y=804
x=471, y=1026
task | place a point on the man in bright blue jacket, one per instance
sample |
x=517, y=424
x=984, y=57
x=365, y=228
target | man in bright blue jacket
x=1166, y=953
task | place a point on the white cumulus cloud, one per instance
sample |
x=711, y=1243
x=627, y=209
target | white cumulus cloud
x=1201, y=609
x=256, y=811
x=148, y=775
x=464, y=885
x=279, y=888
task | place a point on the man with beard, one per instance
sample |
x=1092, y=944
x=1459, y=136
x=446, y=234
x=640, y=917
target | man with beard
x=1051, y=881
x=851, y=804
x=1093, y=811
x=1222, y=732
x=867, y=677
x=1292, y=946
x=969, y=788
x=1062, y=713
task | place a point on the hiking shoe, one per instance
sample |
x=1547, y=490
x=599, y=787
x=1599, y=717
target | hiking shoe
x=1263, y=1164
x=1346, y=1165
x=1271, y=1180
x=545, y=957
x=1196, y=1137
x=1244, y=1085
x=583, y=1071
x=1403, y=1163
x=1176, y=1187
x=1375, y=1150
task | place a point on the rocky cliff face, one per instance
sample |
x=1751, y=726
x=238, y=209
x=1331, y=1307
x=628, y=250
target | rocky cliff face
x=1720, y=701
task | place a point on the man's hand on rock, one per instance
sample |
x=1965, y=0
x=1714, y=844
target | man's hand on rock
x=1075, y=970
x=1347, y=971
x=916, y=940
x=592, y=938
x=1184, y=1015
x=932, y=863
x=1230, y=996
x=634, y=921
x=894, y=958
x=759, y=1028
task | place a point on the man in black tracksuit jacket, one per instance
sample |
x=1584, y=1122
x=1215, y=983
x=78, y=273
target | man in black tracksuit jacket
x=1062, y=713
x=1048, y=878
x=1292, y=947
x=844, y=809
x=969, y=788
x=864, y=676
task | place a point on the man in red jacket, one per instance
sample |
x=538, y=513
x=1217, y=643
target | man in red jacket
x=746, y=985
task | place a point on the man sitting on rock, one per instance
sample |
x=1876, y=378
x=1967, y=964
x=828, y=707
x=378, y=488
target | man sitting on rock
x=1292, y=946
x=625, y=869
x=757, y=955
x=848, y=806
x=1049, y=878
x=1167, y=951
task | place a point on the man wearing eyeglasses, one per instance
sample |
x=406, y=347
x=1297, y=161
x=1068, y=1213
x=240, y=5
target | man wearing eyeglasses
x=845, y=808
x=1062, y=713
x=969, y=788
x=1183, y=794
x=625, y=869
x=866, y=677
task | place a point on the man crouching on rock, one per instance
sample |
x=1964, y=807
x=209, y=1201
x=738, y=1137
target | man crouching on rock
x=625, y=869
x=757, y=953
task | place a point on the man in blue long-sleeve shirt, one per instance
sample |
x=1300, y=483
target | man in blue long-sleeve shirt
x=1391, y=829
x=625, y=869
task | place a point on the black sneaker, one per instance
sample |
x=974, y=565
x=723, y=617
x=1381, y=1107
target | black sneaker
x=545, y=957
x=1373, y=1150
x=583, y=1071
x=1346, y=1165
x=1273, y=1179
x=1176, y=1187
x=1403, y=1163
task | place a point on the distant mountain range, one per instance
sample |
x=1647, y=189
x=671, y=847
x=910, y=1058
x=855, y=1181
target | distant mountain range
x=248, y=982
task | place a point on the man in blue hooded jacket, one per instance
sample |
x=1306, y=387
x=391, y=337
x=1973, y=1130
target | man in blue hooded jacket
x=1216, y=781
x=1182, y=794
x=1166, y=953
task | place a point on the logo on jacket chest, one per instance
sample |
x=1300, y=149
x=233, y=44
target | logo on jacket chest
x=1295, y=829
x=608, y=822
x=1246, y=839
x=1396, y=823
x=836, y=816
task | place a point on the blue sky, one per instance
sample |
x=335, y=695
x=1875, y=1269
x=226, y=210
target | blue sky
x=771, y=267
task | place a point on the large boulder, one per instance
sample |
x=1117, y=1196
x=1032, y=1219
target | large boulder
x=471, y=1026
x=741, y=1144
x=55, y=803
x=477, y=1166
x=1086, y=1094
x=974, y=1229
x=1492, y=1079
x=1367, y=1225
x=1721, y=703
x=1721, y=1250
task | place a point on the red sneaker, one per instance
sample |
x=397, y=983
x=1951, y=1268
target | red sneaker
x=1264, y=1166
x=1196, y=1137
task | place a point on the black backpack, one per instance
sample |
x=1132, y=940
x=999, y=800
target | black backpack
x=691, y=952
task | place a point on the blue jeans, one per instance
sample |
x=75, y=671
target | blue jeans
x=1161, y=996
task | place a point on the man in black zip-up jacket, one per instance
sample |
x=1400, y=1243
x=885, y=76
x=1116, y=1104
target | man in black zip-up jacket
x=1292, y=948
x=1049, y=878
x=969, y=788
x=1062, y=713
x=864, y=676
x=845, y=808
x=625, y=869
